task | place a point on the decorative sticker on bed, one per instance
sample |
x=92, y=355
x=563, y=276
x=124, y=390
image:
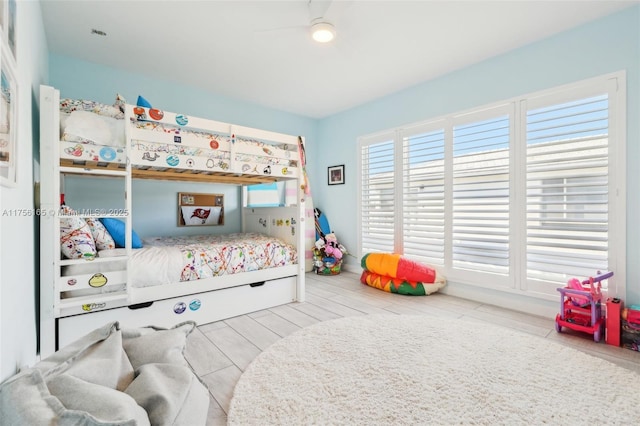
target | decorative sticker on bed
x=215, y=141
x=178, y=150
x=206, y=256
x=212, y=140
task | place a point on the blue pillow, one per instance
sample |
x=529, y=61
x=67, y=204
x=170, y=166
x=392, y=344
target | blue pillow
x=116, y=228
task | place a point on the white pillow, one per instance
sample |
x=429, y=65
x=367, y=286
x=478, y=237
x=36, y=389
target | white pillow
x=82, y=126
x=201, y=215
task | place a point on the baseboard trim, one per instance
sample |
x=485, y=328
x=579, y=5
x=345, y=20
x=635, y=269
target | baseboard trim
x=521, y=303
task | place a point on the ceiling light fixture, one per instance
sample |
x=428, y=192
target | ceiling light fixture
x=323, y=32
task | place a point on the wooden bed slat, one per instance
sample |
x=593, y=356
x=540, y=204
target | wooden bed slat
x=172, y=174
x=188, y=175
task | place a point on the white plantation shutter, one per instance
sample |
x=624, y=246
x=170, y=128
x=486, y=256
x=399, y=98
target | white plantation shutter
x=423, y=201
x=520, y=195
x=480, y=195
x=377, y=194
x=567, y=189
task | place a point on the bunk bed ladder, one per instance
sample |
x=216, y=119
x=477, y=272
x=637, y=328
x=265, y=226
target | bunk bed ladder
x=57, y=298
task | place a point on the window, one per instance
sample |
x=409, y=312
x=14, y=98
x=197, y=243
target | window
x=518, y=196
x=480, y=195
x=569, y=181
x=423, y=195
x=377, y=201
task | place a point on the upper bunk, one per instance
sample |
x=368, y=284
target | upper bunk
x=163, y=145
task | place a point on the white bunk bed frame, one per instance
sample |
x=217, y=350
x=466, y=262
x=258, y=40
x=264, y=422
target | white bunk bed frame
x=64, y=319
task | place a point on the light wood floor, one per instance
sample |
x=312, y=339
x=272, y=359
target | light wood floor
x=219, y=352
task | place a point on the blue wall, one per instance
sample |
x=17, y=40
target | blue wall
x=604, y=46
x=155, y=204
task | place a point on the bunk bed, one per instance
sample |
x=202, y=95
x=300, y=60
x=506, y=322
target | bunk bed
x=127, y=142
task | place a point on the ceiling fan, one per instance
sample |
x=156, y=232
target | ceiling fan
x=321, y=29
x=321, y=20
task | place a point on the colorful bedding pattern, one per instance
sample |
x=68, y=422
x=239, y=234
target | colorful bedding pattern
x=205, y=256
x=101, y=236
x=76, y=240
x=396, y=274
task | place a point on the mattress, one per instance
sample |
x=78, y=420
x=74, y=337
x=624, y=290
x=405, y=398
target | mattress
x=168, y=260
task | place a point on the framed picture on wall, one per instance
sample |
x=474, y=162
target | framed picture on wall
x=200, y=209
x=8, y=109
x=335, y=175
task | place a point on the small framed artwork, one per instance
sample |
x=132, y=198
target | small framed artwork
x=200, y=209
x=8, y=146
x=335, y=175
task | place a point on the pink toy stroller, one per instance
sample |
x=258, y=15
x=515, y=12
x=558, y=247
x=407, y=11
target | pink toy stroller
x=581, y=307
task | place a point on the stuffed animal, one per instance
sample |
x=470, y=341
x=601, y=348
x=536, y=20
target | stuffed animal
x=331, y=246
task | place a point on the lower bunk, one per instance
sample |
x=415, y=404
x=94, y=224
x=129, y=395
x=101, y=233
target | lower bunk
x=202, y=278
x=202, y=308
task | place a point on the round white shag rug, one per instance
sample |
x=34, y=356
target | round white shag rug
x=403, y=369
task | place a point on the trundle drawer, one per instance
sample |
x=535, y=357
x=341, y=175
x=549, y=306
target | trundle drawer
x=201, y=308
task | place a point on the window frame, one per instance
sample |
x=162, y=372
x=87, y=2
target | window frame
x=614, y=84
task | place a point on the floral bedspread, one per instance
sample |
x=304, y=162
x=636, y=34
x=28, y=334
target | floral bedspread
x=206, y=256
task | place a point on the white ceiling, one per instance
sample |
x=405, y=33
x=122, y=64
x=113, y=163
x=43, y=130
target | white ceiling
x=261, y=52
